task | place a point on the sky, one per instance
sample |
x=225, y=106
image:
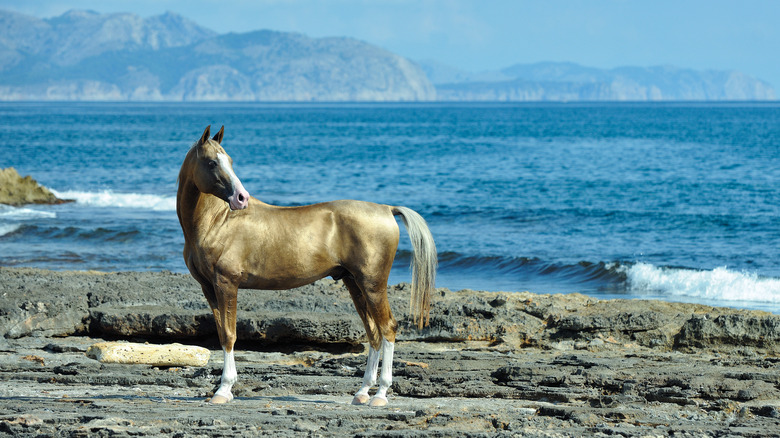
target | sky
x=481, y=35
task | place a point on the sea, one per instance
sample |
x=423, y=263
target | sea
x=671, y=201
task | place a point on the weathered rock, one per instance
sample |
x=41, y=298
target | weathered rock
x=470, y=389
x=167, y=355
x=171, y=307
x=33, y=303
x=490, y=364
x=15, y=190
x=151, y=321
x=751, y=330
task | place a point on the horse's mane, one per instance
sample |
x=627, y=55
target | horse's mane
x=186, y=159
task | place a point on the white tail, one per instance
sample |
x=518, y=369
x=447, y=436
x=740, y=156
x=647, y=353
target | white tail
x=424, y=264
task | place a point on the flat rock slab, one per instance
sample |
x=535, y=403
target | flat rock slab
x=167, y=355
x=168, y=307
x=472, y=389
x=489, y=365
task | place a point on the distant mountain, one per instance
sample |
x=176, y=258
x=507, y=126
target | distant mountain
x=552, y=81
x=84, y=55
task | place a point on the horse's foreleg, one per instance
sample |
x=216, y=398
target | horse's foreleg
x=229, y=377
x=225, y=314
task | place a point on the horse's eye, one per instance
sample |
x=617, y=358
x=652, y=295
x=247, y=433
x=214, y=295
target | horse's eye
x=212, y=164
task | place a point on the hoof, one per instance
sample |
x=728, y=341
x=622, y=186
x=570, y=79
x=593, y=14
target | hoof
x=219, y=400
x=360, y=399
x=378, y=401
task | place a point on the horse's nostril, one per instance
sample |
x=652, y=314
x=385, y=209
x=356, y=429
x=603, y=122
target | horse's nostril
x=241, y=197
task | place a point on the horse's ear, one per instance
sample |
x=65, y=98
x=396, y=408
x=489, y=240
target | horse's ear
x=205, y=136
x=218, y=135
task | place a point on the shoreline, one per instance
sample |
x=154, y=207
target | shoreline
x=741, y=304
x=490, y=363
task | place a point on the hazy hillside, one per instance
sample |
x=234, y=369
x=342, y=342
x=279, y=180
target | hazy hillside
x=78, y=35
x=571, y=82
x=83, y=55
x=88, y=56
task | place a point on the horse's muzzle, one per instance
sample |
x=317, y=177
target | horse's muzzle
x=239, y=200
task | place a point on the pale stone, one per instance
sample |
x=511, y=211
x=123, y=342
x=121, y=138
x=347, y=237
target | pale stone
x=150, y=354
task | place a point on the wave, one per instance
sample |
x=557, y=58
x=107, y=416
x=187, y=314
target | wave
x=10, y=217
x=719, y=284
x=579, y=272
x=591, y=276
x=77, y=234
x=108, y=198
x=21, y=213
x=8, y=228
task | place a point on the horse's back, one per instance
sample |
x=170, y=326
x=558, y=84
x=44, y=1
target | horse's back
x=312, y=241
x=375, y=221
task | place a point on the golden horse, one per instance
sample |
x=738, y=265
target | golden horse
x=233, y=241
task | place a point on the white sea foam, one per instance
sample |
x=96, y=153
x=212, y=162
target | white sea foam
x=108, y=198
x=720, y=284
x=21, y=213
x=8, y=228
x=10, y=217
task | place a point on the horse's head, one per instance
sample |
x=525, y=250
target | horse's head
x=213, y=171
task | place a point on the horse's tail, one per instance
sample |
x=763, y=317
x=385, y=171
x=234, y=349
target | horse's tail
x=424, y=263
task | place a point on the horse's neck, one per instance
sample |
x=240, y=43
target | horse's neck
x=188, y=199
x=197, y=211
x=186, y=203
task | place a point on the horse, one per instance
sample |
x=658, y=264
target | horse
x=234, y=241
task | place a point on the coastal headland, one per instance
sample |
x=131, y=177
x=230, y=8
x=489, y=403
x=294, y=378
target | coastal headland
x=490, y=364
x=16, y=191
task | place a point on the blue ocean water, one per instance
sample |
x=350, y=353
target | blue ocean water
x=673, y=201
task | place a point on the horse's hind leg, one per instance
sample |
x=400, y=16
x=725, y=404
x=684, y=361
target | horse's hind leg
x=374, y=342
x=226, y=293
x=375, y=293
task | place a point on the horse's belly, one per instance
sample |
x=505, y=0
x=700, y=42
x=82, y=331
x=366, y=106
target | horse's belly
x=280, y=282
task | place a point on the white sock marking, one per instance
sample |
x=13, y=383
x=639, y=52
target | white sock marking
x=369, y=377
x=229, y=376
x=386, y=377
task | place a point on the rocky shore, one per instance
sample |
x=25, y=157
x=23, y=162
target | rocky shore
x=15, y=190
x=490, y=364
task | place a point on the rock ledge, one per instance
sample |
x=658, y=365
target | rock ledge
x=16, y=191
x=489, y=365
